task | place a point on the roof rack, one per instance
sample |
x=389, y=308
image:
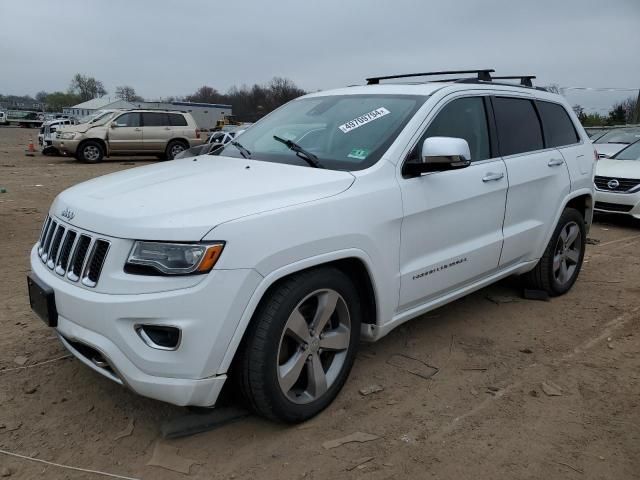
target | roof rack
x=525, y=80
x=482, y=75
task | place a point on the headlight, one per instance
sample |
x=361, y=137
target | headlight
x=173, y=258
x=67, y=135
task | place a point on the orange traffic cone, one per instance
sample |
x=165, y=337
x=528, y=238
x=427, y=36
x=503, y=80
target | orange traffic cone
x=31, y=151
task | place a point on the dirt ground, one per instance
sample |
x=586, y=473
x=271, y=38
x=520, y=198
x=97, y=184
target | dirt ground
x=485, y=414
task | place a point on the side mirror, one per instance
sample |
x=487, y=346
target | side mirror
x=439, y=154
x=114, y=125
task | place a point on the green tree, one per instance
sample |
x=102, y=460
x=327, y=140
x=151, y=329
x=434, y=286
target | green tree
x=56, y=101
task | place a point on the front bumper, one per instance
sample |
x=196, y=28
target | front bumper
x=98, y=328
x=622, y=203
x=67, y=147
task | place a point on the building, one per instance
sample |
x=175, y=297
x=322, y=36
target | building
x=205, y=114
x=91, y=106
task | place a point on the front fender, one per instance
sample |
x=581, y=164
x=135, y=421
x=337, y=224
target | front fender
x=285, y=271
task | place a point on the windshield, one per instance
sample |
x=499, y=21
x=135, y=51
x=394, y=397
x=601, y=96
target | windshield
x=632, y=152
x=98, y=118
x=619, y=136
x=344, y=132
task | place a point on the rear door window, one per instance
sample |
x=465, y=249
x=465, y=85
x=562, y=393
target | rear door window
x=177, y=120
x=558, y=127
x=518, y=125
x=153, y=119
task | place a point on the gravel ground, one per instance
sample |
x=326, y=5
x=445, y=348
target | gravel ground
x=525, y=389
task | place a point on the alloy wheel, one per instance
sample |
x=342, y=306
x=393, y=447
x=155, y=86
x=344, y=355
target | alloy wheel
x=567, y=253
x=313, y=346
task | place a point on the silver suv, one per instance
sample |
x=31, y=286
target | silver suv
x=130, y=132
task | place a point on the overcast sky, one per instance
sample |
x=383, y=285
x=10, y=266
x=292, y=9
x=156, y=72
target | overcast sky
x=171, y=47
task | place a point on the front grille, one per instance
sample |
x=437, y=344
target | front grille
x=72, y=254
x=613, y=207
x=624, y=184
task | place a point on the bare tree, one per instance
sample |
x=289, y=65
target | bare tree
x=86, y=87
x=127, y=93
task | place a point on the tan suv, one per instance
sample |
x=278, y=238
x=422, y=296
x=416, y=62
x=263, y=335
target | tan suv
x=130, y=132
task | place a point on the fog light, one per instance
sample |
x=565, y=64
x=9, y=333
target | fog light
x=160, y=337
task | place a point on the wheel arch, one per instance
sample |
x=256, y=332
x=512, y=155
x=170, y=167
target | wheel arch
x=354, y=263
x=581, y=200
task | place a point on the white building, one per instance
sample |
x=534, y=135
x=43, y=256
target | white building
x=100, y=103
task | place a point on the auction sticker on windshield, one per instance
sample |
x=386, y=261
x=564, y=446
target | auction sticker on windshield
x=364, y=119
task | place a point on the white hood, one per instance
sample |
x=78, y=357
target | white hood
x=184, y=199
x=609, y=149
x=618, y=168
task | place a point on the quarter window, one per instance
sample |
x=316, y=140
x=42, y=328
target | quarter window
x=518, y=126
x=129, y=120
x=463, y=118
x=558, y=127
x=177, y=120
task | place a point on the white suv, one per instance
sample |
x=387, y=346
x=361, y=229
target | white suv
x=338, y=217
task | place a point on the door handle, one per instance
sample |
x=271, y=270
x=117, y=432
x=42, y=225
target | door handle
x=167, y=128
x=492, y=177
x=555, y=162
x=138, y=129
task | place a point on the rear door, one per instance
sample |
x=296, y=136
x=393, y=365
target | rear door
x=125, y=133
x=452, y=227
x=157, y=131
x=560, y=132
x=538, y=179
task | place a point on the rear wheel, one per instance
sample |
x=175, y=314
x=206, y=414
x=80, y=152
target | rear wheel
x=301, y=345
x=558, y=269
x=174, y=148
x=90, y=152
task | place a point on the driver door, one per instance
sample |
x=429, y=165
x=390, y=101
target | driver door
x=452, y=227
x=125, y=133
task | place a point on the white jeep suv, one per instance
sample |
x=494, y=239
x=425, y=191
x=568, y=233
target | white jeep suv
x=338, y=217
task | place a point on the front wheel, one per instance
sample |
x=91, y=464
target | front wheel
x=90, y=152
x=558, y=269
x=301, y=345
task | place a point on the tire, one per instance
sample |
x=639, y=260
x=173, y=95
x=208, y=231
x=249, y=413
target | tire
x=275, y=368
x=90, y=152
x=559, y=267
x=174, y=148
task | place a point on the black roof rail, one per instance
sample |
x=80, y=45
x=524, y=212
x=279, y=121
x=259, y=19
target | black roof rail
x=525, y=80
x=483, y=75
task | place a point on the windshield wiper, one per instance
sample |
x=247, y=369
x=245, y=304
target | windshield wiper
x=243, y=151
x=309, y=157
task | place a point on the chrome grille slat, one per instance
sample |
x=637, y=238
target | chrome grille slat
x=72, y=254
x=55, y=247
x=95, y=261
x=47, y=241
x=79, y=257
x=65, y=252
x=42, y=234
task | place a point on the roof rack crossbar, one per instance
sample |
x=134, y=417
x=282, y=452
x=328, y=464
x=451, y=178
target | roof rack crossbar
x=525, y=80
x=484, y=75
